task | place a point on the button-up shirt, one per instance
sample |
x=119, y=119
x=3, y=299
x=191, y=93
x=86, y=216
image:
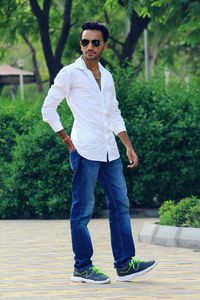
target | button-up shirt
x=96, y=114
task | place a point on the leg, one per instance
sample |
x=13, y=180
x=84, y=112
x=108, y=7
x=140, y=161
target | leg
x=112, y=180
x=83, y=185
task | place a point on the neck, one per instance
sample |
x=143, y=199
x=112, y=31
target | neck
x=92, y=65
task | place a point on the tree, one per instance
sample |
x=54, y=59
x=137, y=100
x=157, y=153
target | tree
x=182, y=15
x=17, y=22
x=57, y=24
x=53, y=60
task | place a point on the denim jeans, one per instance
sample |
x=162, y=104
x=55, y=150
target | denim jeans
x=111, y=178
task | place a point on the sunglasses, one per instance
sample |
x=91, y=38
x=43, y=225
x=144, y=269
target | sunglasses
x=95, y=43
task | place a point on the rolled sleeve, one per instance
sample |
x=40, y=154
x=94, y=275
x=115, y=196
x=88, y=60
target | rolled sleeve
x=58, y=91
x=118, y=124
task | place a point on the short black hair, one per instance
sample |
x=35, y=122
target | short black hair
x=96, y=26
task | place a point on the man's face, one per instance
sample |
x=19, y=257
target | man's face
x=90, y=52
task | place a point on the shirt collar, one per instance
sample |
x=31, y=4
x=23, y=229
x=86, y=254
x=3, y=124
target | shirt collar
x=80, y=64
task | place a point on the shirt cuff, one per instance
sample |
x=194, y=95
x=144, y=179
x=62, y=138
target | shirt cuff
x=119, y=129
x=56, y=126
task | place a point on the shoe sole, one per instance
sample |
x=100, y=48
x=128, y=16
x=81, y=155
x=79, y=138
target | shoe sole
x=132, y=276
x=84, y=280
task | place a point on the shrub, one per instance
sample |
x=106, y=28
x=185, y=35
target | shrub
x=193, y=217
x=183, y=209
x=36, y=183
x=16, y=118
x=184, y=213
x=166, y=212
x=40, y=173
x=8, y=203
x=163, y=124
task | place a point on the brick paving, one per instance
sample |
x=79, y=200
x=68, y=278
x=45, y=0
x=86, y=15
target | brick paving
x=36, y=262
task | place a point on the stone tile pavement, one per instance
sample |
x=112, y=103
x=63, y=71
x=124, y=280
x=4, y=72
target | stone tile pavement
x=36, y=263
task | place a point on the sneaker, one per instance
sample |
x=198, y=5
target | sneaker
x=90, y=275
x=133, y=268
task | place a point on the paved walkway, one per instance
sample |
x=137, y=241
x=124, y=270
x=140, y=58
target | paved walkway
x=36, y=263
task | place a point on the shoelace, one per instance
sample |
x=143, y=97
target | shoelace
x=135, y=263
x=97, y=270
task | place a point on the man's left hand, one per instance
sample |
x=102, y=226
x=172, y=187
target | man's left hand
x=132, y=157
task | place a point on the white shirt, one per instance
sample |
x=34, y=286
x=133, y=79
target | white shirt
x=96, y=113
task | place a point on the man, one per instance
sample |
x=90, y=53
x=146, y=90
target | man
x=90, y=93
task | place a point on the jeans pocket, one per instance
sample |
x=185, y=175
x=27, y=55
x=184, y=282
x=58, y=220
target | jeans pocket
x=74, y=159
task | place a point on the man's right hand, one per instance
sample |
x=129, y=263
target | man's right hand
x=68, y=141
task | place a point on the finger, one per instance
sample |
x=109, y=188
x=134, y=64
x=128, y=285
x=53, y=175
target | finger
x=130, y=166
x=133, y=163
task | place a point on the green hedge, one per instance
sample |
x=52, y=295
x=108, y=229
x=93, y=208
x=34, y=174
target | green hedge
x=162, y=123
x=185, y=213
x=164, y=126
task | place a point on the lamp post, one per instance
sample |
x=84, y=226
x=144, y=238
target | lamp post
x=167, y=75
x=20, y=63
x=146, y=55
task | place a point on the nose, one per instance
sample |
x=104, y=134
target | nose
x=90, y=46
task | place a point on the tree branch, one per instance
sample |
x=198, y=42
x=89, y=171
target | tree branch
x=116, y=41
x=112, y=45
x=36, y=9
x=64, y=32
x=46, y=8
x=105, y=62
x=43, y=22
x=106, y=17
x=137, y=26
x=35, y=64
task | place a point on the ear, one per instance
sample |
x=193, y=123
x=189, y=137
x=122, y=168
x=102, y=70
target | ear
x=105, y=46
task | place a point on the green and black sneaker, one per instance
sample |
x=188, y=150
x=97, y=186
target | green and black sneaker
x=90, y=275
x=133, y=268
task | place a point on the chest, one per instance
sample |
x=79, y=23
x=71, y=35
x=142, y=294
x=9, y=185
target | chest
x=91, y=84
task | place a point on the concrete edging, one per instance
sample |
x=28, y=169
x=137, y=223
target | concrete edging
x=171, y=236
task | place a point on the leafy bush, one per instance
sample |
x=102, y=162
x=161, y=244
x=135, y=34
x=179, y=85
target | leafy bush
x=193, y=217
x=167, y=211
x=163, y=124
x=16, y=117
x=184, y=213
x=8, y=203
x=38, y=173
x=36, y=183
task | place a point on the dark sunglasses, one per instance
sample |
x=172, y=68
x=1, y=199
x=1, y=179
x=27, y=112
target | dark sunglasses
x=95, y=43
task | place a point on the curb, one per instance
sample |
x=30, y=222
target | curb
x=170, y=236
x=136, y=213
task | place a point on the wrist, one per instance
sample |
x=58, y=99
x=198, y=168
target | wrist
x=66, y=139
x=129, y=147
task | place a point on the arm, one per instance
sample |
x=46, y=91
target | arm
x=132, y=156
x=55, y=96
x=66, y=139
x=119, y=129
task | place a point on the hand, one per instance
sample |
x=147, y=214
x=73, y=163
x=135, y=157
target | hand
x=71, y=148
x=133, y=158
x=69, y=143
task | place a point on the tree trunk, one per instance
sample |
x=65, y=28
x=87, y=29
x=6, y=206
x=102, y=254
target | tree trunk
x=157, y=44
x=35, y=64
x=137, y=26
x=64, y=32
x=53, y=61
x=42, y=16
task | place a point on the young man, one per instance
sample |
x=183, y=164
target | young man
x=94, y=156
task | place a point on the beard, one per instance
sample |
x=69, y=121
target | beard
x=92, y=55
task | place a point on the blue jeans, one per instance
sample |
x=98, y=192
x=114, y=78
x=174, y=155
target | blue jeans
x=111, y=178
